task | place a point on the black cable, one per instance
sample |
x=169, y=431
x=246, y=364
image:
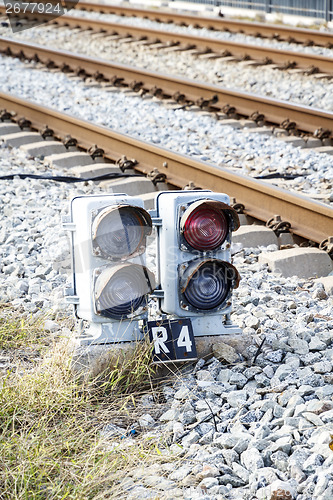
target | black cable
x=68, y=179
x=279, y=176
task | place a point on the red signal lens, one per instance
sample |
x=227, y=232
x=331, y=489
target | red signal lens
x=205, y=228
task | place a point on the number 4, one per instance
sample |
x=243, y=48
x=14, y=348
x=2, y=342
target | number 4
x=184, y=339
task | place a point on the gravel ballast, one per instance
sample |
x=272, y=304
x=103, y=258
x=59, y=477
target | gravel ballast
x=272, y=419
x=186, y=132
x=257, y=427
x=263, y=80
x=202, y=32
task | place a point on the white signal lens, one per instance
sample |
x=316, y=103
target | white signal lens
x=122, y=290
x=119, y=232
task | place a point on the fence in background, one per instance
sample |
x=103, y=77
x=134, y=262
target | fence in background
x=322, y=9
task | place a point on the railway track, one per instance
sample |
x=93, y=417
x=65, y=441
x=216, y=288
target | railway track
x=260, y=55
x=308, y=219
x=291, y=116
x=275, y=31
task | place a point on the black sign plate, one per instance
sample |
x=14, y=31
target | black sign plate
x=173, y=340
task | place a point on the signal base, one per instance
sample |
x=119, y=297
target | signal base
x=213, y=326
x=109, y=333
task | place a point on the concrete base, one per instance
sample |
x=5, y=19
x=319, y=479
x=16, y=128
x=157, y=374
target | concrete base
x=301, y=262
x=286, y=239
x=68, y=160
x=131, y=186
x=149, y=200
x=44, y=148
x=260, y=130
x=254, y=236
x=294, y=141
x=325, y=149
x=17, y=139
x=248, y=123
x=210, y=346
x=92, y=360
x=108, y=333
x=232, y=123
x=312, y=142
x=97, y=169
x=327, y=281
x=9, y=128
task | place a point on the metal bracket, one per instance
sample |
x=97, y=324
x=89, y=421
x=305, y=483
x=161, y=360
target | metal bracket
x=70, y=296
x=157, y=294
x=278, y=225
x=96, y=152
x=67, y=224
x=125, y=164
x=238, y=207
x=327, y=245
x=157, y=221
x=156, y=176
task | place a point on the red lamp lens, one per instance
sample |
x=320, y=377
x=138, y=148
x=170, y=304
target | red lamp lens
x=206, y=228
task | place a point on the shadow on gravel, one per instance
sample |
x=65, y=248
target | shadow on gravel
x=21, y=14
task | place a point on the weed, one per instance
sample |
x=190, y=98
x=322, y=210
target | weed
x=51, y=421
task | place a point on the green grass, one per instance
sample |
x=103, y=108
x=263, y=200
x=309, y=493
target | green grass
x=50, y=421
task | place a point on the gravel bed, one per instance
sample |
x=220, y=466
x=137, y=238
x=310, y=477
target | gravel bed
x=272, y=419
x=271, y=428
x=202, y=32
x=187, y=132
x=263, y=80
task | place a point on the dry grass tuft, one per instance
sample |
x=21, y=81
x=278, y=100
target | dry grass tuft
x=51, y=422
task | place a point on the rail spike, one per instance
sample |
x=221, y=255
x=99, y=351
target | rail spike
x=327, y=245
x=125, y=164
x=278, y=225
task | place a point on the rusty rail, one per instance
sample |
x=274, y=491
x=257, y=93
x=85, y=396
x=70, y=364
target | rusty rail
x=308, y=218
x=288, y=33
x=307, y=119
x=240, y=51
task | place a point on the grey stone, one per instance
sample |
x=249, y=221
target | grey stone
x=237, y=379
x=181, y=472
x=187, y=417
x=191, y=438
x=182, y=393
x=235, y=481
x=240, y=471
x=326, y=417
x=146, y=420
x=251, y=416
x=208, y=483
x=299, y=346
x=301, y=262
x=280, y=460
x=169, y=415
x=314, y=419
x=252, y=236
x=237, y=398
x=51, y=326
x=312, y=463
x=230, y=456
x=324, y=391
x=298, y=457
x=225, y=352
x=251, y=459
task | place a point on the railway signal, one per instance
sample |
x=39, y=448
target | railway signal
x=111, y=282
x=195, y=272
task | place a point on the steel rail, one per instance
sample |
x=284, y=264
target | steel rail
x=238, y=50
x=301, y=35
x=307, y=119
x=309, y=219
